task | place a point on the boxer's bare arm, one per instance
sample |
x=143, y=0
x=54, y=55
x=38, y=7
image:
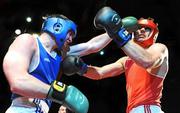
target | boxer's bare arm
x=110, y=70
x=92, y=46
x=16, y=63
x=154, y=58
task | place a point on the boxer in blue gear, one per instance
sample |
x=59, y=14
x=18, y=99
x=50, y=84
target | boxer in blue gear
x=31, y=66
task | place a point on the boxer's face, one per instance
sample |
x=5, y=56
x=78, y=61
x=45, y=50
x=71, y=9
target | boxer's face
x=142, y=34
x=62, y=109
x=66, y=46
x=142, y=37
x=69, y=38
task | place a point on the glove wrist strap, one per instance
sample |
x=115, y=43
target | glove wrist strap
x=121, y=37
x=83, y=70
x=57, y=92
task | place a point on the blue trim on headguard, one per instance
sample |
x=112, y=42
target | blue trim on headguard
x=58, y=28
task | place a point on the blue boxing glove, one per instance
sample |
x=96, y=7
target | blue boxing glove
x=69, y=96
x=72, y=64
x=108, y=19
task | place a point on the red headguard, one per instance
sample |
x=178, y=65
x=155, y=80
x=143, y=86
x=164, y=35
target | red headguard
x=149, y=23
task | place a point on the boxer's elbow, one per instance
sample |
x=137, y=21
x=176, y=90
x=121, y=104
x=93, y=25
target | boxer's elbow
x=14, y=88
x=17, y=84
x=146, y=63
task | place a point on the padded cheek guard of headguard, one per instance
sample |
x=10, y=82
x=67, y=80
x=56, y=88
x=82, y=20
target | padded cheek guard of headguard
x=149, y=23
x=58, y=28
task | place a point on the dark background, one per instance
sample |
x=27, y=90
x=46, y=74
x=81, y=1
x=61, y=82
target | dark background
x=108, y=95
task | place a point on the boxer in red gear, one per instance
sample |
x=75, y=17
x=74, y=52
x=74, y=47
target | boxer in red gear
x=145, y=67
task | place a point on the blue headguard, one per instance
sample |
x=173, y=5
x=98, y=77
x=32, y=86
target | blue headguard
x=58, y=27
